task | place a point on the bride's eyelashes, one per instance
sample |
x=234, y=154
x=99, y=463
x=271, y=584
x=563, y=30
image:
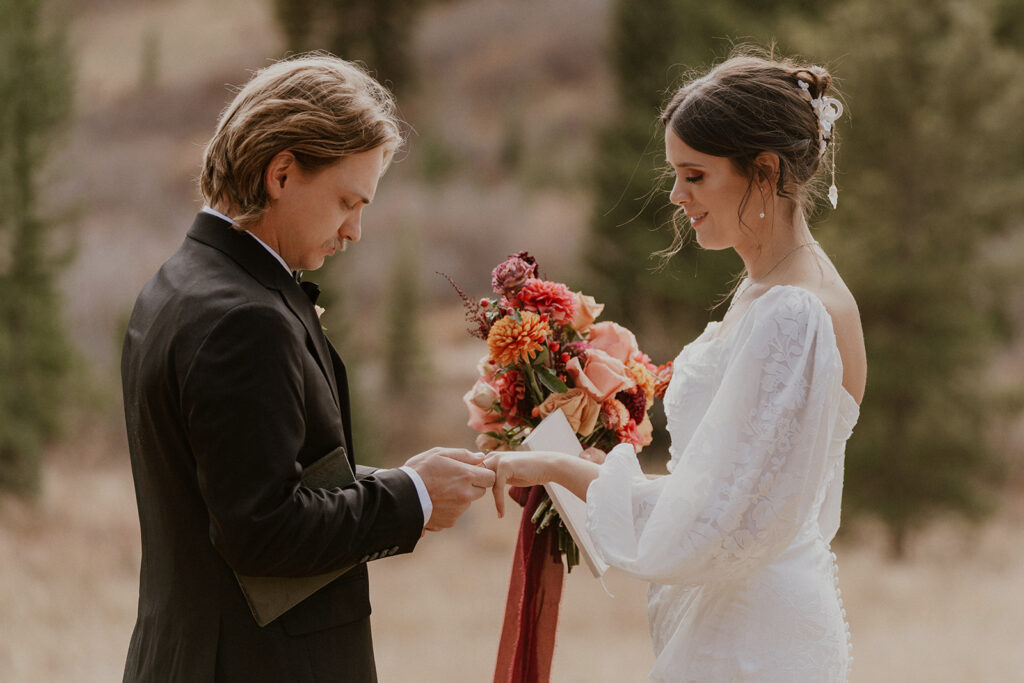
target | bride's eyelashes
x=694, y=178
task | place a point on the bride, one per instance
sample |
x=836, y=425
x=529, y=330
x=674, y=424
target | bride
x=735, y=539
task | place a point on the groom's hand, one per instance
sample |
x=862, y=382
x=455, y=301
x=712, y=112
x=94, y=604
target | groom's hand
x=454, y=479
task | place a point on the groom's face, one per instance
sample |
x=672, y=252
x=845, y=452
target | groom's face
x=315, y=214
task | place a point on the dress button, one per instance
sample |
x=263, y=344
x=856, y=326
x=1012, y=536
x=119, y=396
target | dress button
x=394, y=550
x=365, y=558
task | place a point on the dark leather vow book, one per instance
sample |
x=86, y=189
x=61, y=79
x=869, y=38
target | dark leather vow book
x=271, y=596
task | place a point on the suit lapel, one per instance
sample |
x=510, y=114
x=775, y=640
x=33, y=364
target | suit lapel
x=303, y=308
x=346, y=410
x=264, y=268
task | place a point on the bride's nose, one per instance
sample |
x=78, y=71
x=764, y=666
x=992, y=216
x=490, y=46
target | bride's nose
x=680, y=194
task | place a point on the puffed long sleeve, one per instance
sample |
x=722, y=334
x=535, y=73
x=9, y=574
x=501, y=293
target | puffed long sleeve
x=747, y=479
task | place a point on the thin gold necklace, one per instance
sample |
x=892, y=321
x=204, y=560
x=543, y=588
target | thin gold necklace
x=751, y=280
x=784, y=257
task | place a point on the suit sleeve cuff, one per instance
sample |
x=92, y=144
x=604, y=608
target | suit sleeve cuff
x=421, y=491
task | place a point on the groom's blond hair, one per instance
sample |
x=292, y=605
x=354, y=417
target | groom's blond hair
x=316, y=106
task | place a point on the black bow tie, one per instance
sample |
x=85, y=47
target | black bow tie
x=312, y=290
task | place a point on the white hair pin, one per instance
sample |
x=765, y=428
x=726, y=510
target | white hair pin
x=826, y=110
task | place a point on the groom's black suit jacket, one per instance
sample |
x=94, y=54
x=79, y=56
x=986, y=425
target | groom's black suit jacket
x=230, y=389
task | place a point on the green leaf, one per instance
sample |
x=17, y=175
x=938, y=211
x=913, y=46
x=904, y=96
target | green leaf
x=551, y=381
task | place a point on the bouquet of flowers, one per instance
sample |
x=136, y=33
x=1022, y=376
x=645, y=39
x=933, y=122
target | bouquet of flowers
x=546, y=352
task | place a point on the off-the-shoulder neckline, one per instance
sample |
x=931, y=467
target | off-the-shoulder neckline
x=814, y=297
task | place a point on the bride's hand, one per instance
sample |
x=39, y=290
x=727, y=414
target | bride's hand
x=519, y=468
x=594, y=455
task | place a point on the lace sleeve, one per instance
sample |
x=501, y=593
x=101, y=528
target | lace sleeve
x=747, y=480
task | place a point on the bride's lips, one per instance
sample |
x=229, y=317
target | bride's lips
x=696, y=218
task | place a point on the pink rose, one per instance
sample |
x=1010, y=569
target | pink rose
x=602, y=377
x=479, y=400
x=485, y=368
x=614, y=339
x=485, y=442
x=587, y=310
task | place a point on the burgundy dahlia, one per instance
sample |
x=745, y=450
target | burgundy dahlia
x=635, y=402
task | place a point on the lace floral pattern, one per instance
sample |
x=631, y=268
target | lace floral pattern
x=735, y=539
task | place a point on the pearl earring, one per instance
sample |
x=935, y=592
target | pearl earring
x=761, y=214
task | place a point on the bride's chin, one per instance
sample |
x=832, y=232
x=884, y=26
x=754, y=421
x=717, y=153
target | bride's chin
x=706, y=243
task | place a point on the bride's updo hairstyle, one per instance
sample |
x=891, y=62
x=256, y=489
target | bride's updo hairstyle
x=750, y=104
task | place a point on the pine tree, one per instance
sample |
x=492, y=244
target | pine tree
x=654, y=46
x=295, y=17
x=931, y=173
x=404, y=358
x=34, y=352
x=375, y=32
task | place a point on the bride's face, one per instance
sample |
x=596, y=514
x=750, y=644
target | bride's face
x=709, y=189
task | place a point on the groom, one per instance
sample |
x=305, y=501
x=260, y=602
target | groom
x=231, y=389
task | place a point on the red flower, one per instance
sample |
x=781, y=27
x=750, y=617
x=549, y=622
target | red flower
x=636, y=404
x=546, y=297
x=511, y=390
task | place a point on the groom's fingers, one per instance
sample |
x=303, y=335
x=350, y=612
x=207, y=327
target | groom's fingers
x=483, y=478
x=463, y=455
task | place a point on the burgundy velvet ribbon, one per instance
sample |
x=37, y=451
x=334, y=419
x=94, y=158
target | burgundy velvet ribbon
x=531, y=612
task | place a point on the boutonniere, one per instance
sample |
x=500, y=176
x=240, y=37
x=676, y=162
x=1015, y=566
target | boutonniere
x=320, y=310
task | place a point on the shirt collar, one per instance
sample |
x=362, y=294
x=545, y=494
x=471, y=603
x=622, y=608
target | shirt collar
x=218, y=214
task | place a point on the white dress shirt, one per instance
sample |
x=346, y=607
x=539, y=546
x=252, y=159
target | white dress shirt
x=417, y=480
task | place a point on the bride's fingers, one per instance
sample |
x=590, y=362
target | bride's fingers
x=500, y=477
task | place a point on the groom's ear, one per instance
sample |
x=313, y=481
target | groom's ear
x=277, y=173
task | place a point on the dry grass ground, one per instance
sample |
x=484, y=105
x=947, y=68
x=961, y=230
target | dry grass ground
x=68, y=586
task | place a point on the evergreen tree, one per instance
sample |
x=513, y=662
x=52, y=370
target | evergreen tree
x=404, y=357
x=931, y=172
x=655, y=45
x=376, y=32
x=34, y=352
x=295, y=17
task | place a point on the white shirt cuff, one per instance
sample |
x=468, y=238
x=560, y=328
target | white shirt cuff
x=421, y=491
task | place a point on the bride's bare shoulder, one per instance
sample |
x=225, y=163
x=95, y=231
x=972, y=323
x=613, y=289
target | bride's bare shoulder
x=842, y=308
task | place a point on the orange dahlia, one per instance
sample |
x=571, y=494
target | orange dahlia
x=512, y=340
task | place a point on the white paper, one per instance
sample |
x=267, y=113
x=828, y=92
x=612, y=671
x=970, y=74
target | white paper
x=555, y=434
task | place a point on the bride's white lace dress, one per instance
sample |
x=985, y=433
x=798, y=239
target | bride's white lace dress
x=735, y=540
